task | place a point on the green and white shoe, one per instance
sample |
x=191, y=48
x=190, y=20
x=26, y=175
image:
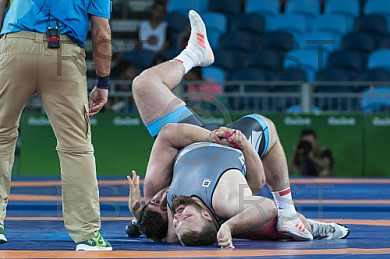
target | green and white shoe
x=97, y=243
x=2, y=237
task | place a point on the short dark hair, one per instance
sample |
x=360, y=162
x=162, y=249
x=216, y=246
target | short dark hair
x=152, y=224
x=306, y=132
x=206, y=237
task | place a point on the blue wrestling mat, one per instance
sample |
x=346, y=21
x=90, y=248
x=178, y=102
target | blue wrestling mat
x=35, y=229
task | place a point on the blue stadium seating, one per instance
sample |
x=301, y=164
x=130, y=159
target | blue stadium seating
x=360, y=41
x=297, y=109
x=379, y=59
x=306, y=60
x=140, y=58
x=351, y=60
x=184, y=7
x=334, y=74
x=214, y=73
x=349, y=8
x=216, y=24
x=311, y=40
x=333, y=23
x=237, y=41
x=225, y=59
x=227, y=7
x=215, y=21
x=374, y=74
x=308, y=8
x=295, y=24
x=177, y=24
x=267, y=8
x=266, y=59
x=373, y=24
x=253, y=23
x=380, y=7
x=376, y=100
x=280, y=40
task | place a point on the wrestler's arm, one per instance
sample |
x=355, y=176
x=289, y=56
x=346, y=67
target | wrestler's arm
x=257, y=212
x=171, y=138
x=233, y=201
x=254, y=167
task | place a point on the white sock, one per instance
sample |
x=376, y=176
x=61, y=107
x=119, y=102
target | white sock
x=186, y=60
x=284, y=202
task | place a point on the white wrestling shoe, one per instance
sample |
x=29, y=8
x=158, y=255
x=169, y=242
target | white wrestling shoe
x=322, y=230
x=198, y=48
x=292, y=226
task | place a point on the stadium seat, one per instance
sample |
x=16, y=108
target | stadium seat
x=267, y=8
x=237, y=41
x=177, y=24
x=334, y=74
x=279, y=40
x=308, y=8
x=184, y=7
x=360, y=41
x=141, y=58
x=213, y=37
x=253, y=23
x=227, y=7
x=373, y=24
x=347, y=59
x=295, y=24
x=290, y=74
x=333, y=23
x=305, y=59
x=297, y=109
x=216, y=24
x=349, y=8
x=214, y=73
x=312, y=40
x=266, y=59
x=225, y=59
x=380, y=7
x=215, y=21
x=379, y=59
x=376, y=100
x=374, y=74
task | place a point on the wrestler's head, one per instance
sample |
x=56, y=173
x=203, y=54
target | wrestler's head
x=193, y=225
x=153, y=219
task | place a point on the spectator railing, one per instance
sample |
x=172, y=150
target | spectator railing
x=237, y=98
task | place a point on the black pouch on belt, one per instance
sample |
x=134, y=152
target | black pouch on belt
x=53, y=38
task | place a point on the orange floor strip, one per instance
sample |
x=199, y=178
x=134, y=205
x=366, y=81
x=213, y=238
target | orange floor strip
x=294, y=180
x=186, y=254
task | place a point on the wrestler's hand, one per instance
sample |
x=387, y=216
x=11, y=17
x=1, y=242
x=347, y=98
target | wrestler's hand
x=134, y=194
x=232, y=137
x=97, y=99
x=224, y=236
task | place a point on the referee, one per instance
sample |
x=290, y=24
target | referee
x=42, y=51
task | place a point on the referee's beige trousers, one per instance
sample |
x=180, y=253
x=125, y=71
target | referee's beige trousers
x=27, y=66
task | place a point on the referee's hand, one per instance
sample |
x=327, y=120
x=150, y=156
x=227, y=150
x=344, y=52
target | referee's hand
x=97, y=99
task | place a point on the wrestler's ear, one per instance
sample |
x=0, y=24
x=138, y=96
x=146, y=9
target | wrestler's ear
x=206, y=215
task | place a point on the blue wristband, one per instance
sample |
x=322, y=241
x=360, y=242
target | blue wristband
x=103, y=82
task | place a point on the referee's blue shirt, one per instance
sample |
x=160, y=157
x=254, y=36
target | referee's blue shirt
x=70, y=15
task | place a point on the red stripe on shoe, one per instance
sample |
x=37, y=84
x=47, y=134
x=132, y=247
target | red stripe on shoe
x=200, y=40
x=178, y=60
x=201, y=45
x=285, y=192
x=200, y=35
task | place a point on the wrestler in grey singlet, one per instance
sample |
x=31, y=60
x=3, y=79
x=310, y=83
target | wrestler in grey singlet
x=198, y=168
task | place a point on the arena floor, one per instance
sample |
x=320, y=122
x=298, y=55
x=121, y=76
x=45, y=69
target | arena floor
x=34, y=224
